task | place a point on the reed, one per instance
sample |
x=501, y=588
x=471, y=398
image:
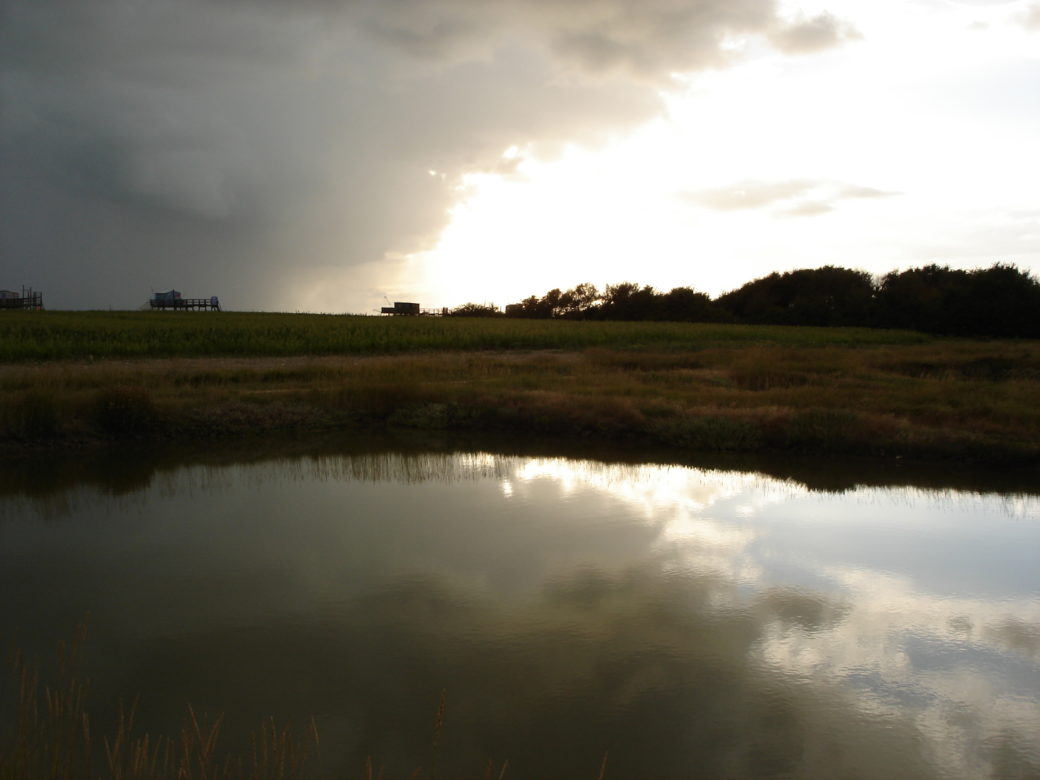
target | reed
x=53, y=736
x=695, y=388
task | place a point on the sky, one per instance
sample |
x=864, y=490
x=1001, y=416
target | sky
x=333, y=155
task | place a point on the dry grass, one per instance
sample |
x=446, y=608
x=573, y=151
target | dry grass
x=964, y=399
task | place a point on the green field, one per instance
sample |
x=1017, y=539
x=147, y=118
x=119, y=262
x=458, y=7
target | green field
x=93, y=378
x=94, y=334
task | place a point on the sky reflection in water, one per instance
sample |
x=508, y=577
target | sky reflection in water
x=681, y=618
x=922, y=602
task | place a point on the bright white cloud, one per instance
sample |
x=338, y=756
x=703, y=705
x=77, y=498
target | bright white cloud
x=796, y=196
x=913, y=145
x=1030, y=17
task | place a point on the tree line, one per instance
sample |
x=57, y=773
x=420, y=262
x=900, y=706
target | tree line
x=1000, y=301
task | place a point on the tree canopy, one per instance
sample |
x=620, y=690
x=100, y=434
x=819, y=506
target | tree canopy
x=1000, y=301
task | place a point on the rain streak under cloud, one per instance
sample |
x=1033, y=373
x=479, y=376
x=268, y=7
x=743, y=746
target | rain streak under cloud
x=320, y=155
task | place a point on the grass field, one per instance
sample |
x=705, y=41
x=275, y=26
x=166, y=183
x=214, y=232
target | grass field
x=94, y=334
x=97, y=377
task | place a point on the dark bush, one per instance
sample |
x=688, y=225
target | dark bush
x=33, y=415
x=475, y=310
x=126, y=412
x=809, y=296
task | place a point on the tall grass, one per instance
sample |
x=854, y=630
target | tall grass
x=686, y=387
x=54, y=738
x=93, y=335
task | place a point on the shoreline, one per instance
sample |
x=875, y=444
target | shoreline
x=971, y=402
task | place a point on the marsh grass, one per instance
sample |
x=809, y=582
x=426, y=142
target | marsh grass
x=731, y=388
x=51, y=736
x=31, y=415
x=126, y=411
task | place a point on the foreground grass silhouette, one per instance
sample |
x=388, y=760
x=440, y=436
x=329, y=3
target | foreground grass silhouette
x=54, y=737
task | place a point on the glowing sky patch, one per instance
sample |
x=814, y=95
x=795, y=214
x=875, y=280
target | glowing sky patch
x=322, y=156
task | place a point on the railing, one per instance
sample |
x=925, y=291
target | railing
x=205, y=304
x=29, y=302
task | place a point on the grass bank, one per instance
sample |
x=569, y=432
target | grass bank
x=91, y=377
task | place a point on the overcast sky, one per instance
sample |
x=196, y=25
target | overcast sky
x=318, y=155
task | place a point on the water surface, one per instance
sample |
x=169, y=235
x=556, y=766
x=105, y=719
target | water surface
x=688, y=622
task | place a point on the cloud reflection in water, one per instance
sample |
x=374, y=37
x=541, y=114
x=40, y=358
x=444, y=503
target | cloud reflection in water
x=741, y=624
x=964, y=667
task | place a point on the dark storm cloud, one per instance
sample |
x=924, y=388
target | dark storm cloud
x=237, y=147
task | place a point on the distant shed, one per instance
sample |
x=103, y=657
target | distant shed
x=401, y=308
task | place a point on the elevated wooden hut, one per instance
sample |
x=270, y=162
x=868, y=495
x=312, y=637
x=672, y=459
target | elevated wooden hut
x=173, y=300
x=401, y=308
x=26, y=300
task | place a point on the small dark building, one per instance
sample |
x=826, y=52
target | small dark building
x=401, y=308
x=172, y=299
x=166, y=296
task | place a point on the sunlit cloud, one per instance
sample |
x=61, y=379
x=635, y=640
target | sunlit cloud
x=805, y=209
x=649, y=39
x=811, y=35
x=1030, y=18
x=749, y=194
x=798, y=197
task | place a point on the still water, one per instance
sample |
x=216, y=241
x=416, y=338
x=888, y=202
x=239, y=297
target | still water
x=686, y=622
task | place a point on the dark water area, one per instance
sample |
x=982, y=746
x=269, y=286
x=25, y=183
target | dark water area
x=738, y=618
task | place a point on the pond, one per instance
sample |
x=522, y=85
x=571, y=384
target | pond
x=679, y=621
